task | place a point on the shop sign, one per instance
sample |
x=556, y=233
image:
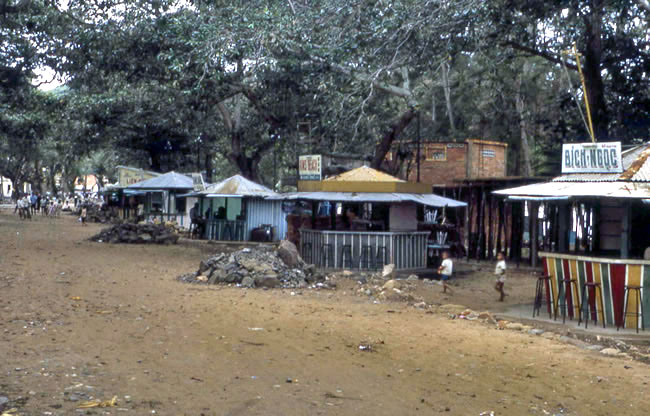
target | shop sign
x=592, y=158
x=309, y=167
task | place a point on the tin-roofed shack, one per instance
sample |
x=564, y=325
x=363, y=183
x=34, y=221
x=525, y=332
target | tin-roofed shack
x=594, y=227
x=160, y=197
x=237, y=209
x=364, y=218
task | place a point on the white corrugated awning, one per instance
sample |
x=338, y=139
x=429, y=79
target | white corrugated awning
x=619, y=189
x=431, y=200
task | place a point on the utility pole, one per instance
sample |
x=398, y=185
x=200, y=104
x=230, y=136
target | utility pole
x=418, y=147
x=577, y=55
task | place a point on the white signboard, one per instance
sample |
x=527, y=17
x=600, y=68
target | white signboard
x=197, y=182
x=592, y=158
x=309, y=167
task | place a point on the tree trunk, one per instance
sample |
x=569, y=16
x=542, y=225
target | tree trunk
x=525, y=165
x=592, y=70
x=384, y=146
x=447, y=90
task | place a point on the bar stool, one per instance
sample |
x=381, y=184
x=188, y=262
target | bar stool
x=585, y=304
x=639, y=305
x=346, y=256
x=365, y=258
x=543, y=282
x=306, y=252
x=562, y=291
x=327, y=255
x=381, y=254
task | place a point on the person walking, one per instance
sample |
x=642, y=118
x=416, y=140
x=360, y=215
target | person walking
x=500, y=273
x=445, y=272
x=84, y=214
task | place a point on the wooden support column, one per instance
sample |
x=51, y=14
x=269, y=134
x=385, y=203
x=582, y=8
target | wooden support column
x=533, y=213
x=490, y=229
x=469, y=211
x=563, y=226
x=480, y=250
x=332, y=215
x=516, y=230
x=625, y=231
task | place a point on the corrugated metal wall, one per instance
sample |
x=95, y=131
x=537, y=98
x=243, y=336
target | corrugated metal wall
x=261, y=211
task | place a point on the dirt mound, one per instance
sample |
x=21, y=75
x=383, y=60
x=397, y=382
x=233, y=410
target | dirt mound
x=255, y=267
x=137, y=234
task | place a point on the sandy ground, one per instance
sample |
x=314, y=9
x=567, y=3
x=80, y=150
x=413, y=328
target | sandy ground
x=82, y=320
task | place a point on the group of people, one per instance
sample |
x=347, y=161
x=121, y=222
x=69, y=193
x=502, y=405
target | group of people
x=47, y=205
x=446, y=270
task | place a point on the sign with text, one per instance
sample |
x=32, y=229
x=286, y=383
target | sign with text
x=197, y=182
x=592, y=158
x=309, y=167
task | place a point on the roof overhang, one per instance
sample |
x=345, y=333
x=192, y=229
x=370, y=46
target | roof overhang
x=431, y=200
x=617, y=189
x=364, y=186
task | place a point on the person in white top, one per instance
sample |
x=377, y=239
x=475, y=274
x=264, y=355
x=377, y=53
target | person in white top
x=500, y=273
x=445, y=271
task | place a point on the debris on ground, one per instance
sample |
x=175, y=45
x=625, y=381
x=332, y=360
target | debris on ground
x=259, y=266
x=98, y=403
x=137, y=234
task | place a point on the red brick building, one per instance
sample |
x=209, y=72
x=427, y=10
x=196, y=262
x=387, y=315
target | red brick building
x=443, y=162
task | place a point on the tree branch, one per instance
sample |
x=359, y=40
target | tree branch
x=531, y=51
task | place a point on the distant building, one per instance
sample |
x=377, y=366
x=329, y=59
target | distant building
x=7, y=187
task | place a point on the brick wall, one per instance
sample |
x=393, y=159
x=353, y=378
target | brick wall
x=487, y=159
x=441, y=163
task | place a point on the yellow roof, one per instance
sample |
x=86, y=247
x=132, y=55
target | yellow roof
x=363, y=174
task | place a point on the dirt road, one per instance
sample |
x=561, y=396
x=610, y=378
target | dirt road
x=82, y=320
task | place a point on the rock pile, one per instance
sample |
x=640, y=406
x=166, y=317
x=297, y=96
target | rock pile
x=258, y=267
x=137, y=234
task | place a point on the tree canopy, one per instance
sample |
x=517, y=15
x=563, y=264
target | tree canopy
x=228, y=86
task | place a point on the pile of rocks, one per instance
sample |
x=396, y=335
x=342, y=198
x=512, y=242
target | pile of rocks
x=258, y=267
x=137, y=234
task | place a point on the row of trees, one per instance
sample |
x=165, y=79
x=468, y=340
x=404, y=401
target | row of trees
x=223, y=86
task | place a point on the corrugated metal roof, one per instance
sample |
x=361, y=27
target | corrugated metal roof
x=636, y=168
x=170, y=180
x=618, y=189
x=237, y=186
x=363, y=174
x=424, y=199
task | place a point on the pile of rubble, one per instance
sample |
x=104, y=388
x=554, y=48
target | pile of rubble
x=259, y=267
x=138, y=234
x=99, y=214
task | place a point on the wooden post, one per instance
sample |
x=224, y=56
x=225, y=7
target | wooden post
x=563, y=226
x=625, y=231
x=533, y=213
x=480, y=252
x=516, y=231
x=332, y=216
x=468, y=222
x=490, y=228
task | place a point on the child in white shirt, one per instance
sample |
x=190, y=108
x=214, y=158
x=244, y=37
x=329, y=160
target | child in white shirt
x=445, y=271
x=500, y=272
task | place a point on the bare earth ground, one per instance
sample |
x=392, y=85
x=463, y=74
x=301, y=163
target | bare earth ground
x=82, y=320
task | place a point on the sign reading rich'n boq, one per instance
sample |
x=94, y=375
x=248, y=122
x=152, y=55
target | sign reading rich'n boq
x=592, y=158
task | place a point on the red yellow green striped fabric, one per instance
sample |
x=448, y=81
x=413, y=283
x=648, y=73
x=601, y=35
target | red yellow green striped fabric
x=612, y=276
